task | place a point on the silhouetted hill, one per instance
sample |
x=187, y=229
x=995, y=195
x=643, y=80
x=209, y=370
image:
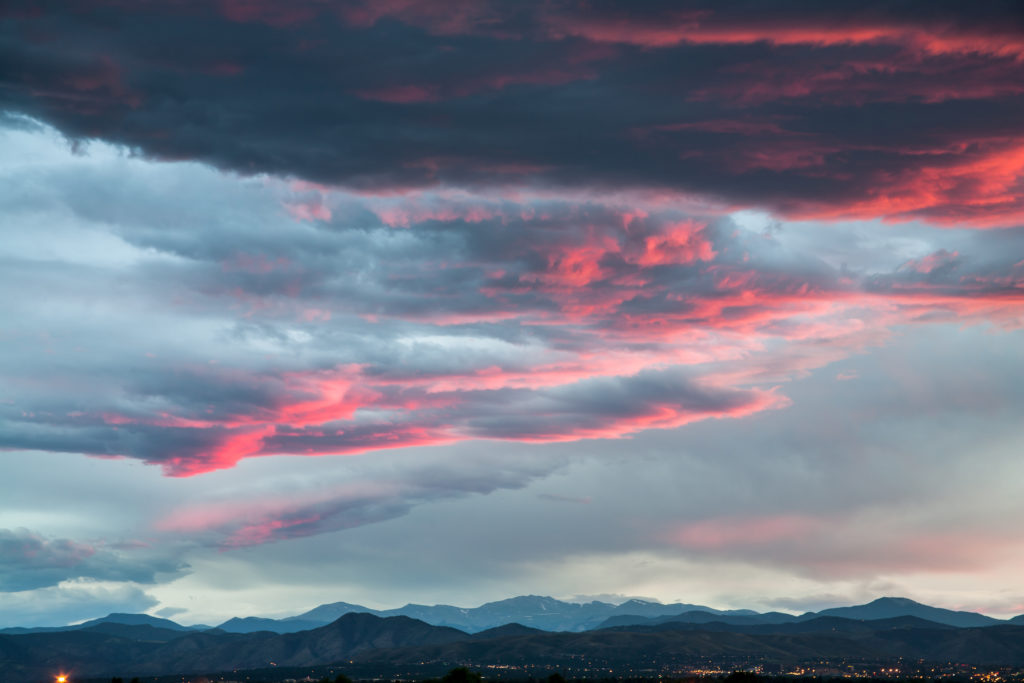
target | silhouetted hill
x=506, y=631
x=95, y=652
x=36, y=656
x=639, y=647
x=350, y=634
x=141, y=632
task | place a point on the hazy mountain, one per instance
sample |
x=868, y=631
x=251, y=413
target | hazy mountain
x=113, y=618
x=256, y=624
x=885, y=608
x=137, y=620
x=646, y=608
x=1018, y=619
x=325, y=614
x=882, y=608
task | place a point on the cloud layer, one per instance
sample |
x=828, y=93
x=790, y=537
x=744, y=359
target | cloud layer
x=840, y=111
x=418, y=320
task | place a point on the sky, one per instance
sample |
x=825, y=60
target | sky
x=448, y=301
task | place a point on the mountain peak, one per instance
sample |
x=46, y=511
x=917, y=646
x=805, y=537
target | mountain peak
x=639, y=601
x=896, y=601
x=127, y=619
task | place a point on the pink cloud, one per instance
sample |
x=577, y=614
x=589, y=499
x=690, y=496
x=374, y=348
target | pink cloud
x=269, y=12
x=683, y=26
x=308, y=211
x=400, y=94
x=931, y=262
x=679, y=243
x=714, y=534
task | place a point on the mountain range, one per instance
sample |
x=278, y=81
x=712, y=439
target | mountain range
x=540, y=612
x=368, y=646
x=549, y=614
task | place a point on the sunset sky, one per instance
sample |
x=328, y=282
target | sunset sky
x=394, y=301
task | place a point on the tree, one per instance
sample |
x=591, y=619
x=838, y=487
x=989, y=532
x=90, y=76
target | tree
x=742, y=677
x=461, y=675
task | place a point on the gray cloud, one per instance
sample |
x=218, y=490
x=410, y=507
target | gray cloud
x=29, y=561
x=62, y=605
x=365, y=496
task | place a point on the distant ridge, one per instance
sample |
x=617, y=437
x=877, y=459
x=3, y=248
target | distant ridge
x=136, y=620
x=257, y=624
x=886, y=608
x=113, y=618
x=534, y=611
x=817, y=625
x=880, y=609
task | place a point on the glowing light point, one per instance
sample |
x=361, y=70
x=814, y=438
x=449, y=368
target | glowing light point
x=62, y=679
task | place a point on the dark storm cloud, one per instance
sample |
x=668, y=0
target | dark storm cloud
x=29, y=561
x=831, y=110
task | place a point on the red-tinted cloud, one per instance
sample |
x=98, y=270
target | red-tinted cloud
x=659, y=29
